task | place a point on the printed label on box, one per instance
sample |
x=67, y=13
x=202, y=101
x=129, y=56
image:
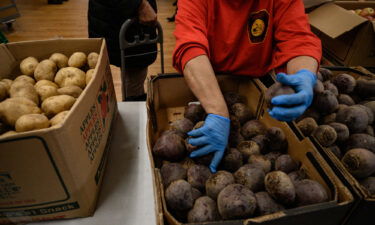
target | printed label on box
x=28, y=175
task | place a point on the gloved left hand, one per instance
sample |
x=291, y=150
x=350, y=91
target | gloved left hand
x=303, y=83
x=213, y=137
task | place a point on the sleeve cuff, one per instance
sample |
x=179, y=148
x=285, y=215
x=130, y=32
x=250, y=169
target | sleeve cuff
x=189, y=54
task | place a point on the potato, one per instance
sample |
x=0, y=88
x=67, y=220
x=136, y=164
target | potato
x=280, y=187
x=330, y=118
x=77, y=60
x=69, y=76
x=24, y=79
x=276, y=140
x=28, y=65
x=58, y=118
x=204, y=210
x=307, y=126
x=265, y=204
x=331, y=87
x=369, y=112
x=171, y=172
x=369, y=184
x=46, y=91
x=183, y=126
x=232, y=160
x=361, y=141
x=92, y=59
x=242, y=112
x=262, y=142
x=26, y=90
x=342, y=131
x=251, y=177
x=3, y=92
x=355, y=118
x=253, y=128
x=13, y=108
x=236, y=202
x=194, y=112
x=248, y=148
x=272, y=156
x=310, y=192
x=197, y=176
x=370, y=131
x=232, y=98
x=218, y=182
x=286, y=164
x=297, y=175
x=7, y=83
x=326, y=74
x=261, y=162
x=170, y=146
x=360, y=162
x=277, y=89
x=45, y=83
x=344, y=83
x=345, y=99
x=325, y=135
x=179, y=195
x=89, y=75
x=55, y=104
x=45, y=70
x=31, y=122
x=73, y=91
x=326, y=102
x=319, y=87
x=59, y=59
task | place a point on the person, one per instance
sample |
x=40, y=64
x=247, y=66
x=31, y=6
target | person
x=105, y=18
x=243, y=37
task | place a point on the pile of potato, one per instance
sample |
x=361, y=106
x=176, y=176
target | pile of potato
x=341, y=119
x=368, y=13
x=42, y=96
x=256, y=175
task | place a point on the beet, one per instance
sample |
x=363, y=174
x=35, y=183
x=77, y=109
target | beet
x=170, y=146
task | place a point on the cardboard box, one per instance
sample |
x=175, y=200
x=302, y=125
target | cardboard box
x=56, y=173
x=365, y=204
x=347, y=38
x=166, y=101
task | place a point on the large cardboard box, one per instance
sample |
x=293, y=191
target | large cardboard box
x=56, y=173
x=347, y=38
x=168, y=95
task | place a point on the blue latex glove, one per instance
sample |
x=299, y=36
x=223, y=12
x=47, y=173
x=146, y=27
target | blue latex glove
x=303, y=83
x=213, y=137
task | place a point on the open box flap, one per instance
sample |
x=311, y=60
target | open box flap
x=334, y=20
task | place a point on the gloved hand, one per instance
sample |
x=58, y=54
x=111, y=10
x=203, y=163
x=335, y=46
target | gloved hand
x=213, y=137
x=303, y=83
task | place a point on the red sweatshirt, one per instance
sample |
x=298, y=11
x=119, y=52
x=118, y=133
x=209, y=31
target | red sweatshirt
x=243, y=37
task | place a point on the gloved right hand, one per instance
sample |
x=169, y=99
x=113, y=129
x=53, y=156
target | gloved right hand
x=212, y=137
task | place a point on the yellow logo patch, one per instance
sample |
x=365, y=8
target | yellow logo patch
x=257, y=26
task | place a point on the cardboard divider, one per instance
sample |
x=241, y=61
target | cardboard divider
x=170, y=95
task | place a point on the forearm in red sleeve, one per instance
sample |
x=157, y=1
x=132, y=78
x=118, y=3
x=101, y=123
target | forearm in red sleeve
x=292, y=34
x=190, y=32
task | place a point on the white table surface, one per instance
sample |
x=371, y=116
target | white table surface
x=127, y=195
